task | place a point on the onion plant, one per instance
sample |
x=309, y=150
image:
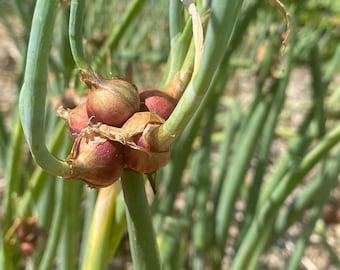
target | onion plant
x=221, y=145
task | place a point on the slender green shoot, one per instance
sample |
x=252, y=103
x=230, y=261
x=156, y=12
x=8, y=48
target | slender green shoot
x=33, y=92
x=76, y=32
x=144, y=248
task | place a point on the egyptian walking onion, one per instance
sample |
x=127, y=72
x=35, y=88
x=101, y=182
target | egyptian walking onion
x=114, y=129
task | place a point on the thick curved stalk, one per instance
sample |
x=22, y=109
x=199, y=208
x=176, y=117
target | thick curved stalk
x=33, y=92
x=143, y=243
x=224, y=14
x=102, y=221
x=76, y=33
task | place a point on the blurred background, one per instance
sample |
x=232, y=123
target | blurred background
x=57, y=213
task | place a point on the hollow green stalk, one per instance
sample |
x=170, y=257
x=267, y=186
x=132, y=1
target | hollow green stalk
x=184, y=143
x=98, y=242
x=246, y=144
x=264, y=147
x=305, y=199
x=220, y=27
x=4, y=140
x=202, y=169
x=55, y=230
x=176, y=19
x=329, y=175
x=318, y=90
x=33, y=92
x=129, y=15
x=12, y=172
x=144, y=248
x=89, y=206
x=36, y=181
x=72, y=226
x=279, y=194
x=179, y=49
x=76, y=32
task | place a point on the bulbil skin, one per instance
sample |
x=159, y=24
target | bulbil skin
x=144, y=161
x=96, y=160
x=145, y=157
x=110, y=101
x=78, y=120
x=29, y=236
x=158, y=102
x=115, y=129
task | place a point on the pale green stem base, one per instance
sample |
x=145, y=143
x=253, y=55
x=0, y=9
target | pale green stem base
x=143, y=243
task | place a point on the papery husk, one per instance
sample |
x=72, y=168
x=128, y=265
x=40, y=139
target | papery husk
x=137, y=123
x=137, y=135
x=144, y=161
x=145, y=156
x=176, y=86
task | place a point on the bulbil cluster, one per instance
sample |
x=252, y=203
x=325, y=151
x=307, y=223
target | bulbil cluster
x=115, y=130
x=29, y=235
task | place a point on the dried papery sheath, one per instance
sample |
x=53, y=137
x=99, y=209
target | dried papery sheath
x=138, y=122
x=143, y=154
x=143, y=161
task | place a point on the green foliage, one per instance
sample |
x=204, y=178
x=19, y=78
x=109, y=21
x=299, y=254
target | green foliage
x=226, y=136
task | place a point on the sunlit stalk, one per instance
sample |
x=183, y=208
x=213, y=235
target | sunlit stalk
x=98, y=241
x=225, y=16
x=144, y=248
x=33, y=92
x=129, y=15
x=76, y=32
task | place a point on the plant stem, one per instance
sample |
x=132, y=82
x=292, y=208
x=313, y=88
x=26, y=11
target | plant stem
x=55, y=230
x=12, y=172
x=143, y=243
x=175, y=18
x=279, y=194
x=324, y=182
x=220, y=27
x=328, y=176
x=98, y=241
x=33, y=92
x=36, y=181
x=129, y=15
x=76, y=32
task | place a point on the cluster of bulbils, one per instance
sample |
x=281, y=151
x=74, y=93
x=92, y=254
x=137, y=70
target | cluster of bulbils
x=115, y=129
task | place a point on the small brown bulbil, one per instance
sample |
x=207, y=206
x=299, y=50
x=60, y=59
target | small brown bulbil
x=158, y=102
x=96, y=160
x=76, y=118
x=110, y=101
x=29, y=235
x=27, y=249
